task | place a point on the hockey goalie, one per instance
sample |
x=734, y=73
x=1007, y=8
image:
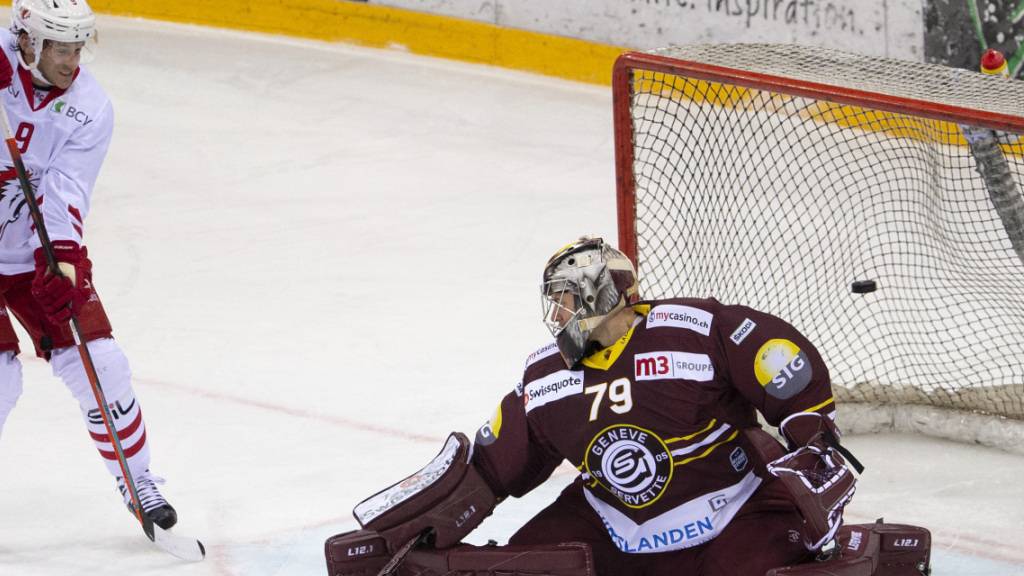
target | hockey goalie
x=655, y=403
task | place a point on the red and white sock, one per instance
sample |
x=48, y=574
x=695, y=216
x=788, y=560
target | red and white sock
x=115, y=377
x=131, y=431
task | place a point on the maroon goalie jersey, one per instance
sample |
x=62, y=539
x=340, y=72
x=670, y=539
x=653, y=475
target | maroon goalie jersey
x=653, y=423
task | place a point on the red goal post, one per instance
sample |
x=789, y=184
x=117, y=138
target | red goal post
x=789, y=178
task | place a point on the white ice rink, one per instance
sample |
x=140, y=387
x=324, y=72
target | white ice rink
x=320, y=260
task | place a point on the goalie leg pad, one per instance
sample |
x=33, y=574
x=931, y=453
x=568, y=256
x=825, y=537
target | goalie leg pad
x=877, y=549
x=569, y=559
x=448, y=496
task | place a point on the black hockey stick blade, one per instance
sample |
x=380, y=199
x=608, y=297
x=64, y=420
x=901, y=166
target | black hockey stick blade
x=182, y=547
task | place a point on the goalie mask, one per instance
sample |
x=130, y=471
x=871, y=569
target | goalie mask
x=64, y=21
x=584, y=283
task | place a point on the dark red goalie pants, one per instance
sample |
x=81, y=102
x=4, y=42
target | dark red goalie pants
x=763, y=535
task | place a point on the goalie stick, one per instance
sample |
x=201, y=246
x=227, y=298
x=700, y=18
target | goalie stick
x=179, y=546
x=391, y=568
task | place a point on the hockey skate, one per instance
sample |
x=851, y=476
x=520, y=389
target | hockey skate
x=154, y=506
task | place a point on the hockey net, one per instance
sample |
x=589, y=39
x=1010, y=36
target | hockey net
x=839, y=192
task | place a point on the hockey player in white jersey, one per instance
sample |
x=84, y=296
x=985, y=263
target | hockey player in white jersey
x=62, y=123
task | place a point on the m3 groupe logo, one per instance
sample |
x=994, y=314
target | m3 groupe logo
x=673, y=365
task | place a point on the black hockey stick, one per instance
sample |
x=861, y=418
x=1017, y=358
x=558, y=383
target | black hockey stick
x=181, y=547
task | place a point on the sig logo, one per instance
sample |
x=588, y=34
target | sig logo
x=782, y=368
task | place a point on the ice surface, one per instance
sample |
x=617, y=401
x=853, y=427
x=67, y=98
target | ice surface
x=322, y=259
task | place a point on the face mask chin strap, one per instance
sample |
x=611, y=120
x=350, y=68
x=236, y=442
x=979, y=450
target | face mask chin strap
x=36, y=75
x=587, y=325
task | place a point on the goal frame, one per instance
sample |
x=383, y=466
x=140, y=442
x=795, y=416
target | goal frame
x=961, y=425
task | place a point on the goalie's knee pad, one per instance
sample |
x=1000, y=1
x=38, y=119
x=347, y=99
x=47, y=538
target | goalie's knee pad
x=877, y=549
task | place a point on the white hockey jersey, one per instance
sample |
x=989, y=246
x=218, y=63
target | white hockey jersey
x=63, y=136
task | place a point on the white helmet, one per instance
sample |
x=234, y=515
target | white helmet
x=584, y=283
x=57, y=20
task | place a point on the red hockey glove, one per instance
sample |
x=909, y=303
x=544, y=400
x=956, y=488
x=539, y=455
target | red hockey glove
x=63, y=295
x=6, y=73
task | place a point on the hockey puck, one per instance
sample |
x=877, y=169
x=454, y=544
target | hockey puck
x=863, y=286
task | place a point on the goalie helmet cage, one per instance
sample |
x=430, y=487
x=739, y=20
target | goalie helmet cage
x=838, y=192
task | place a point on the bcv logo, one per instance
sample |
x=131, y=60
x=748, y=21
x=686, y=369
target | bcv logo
x=61, y=107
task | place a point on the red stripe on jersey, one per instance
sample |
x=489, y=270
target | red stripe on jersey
x=77, y=229
x=74, y=212
x=109, y=454
x=121, y=434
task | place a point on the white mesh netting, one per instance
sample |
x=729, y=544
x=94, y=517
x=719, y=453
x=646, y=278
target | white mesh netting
x=754, y=196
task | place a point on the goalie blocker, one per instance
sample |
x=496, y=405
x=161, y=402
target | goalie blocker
x=447, y=499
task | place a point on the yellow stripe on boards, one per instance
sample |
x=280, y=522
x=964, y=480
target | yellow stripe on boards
x=654, y=85
x=385, y=27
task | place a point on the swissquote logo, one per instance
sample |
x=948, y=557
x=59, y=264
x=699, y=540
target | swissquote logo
x=679, y=316
x=556, y=386
x=673, y=365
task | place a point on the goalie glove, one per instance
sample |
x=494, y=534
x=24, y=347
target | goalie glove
x=816, y=475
